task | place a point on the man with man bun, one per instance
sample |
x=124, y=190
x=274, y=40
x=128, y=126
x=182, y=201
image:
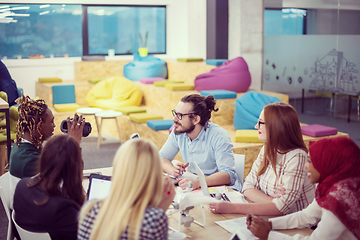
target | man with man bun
x=199, y=141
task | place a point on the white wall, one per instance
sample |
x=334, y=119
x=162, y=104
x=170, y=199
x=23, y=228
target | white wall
x=186, y=37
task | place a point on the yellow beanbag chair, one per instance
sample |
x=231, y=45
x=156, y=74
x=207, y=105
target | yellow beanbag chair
x=114, y=93
x=250, y=136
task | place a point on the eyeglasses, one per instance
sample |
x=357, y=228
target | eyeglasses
x=180, y=115
x=259, y=123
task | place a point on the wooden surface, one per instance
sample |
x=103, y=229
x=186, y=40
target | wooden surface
x=211, y=229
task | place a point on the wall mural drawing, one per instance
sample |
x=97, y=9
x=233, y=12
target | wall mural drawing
x=333, y=73
x=313, y=62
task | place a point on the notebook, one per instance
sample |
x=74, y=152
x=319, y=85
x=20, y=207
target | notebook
x=99, y=186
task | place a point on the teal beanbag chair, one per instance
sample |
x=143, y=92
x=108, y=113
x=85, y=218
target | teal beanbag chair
x=248, y=108
x=145, y=67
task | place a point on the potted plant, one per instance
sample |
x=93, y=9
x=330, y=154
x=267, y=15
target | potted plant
x=143, y=51
x=112, y=44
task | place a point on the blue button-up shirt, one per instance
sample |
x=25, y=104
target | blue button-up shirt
x=211, y=150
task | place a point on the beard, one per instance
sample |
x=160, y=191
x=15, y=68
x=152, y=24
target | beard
x=186, y=130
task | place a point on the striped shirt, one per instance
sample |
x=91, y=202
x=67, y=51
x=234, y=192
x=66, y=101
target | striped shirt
x=290, y=168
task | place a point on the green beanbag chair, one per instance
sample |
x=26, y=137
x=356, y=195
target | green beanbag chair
x=114, y=93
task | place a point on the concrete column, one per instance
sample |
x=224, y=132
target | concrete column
x=246, y=33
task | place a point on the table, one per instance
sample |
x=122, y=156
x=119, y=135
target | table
x=111, y=114
x=211, y=229
x=4, y=107
x=90, y=111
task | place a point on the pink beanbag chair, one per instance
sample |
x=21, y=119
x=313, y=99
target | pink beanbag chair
x=232, y=75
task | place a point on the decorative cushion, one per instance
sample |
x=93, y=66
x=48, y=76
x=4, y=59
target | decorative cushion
x=151, y=80
x=219, y=94
x=190, y=59
x=95, y=80
x=66, y=107
x=232, y=75
x=63, y=94
x=179, y=86
x=163, y=83
x=145, y=67
x=248, y=108
x=316, y=130
x=144, y=117
x=251, y=136
x=129, y=110
x=114, y=93
x=50, y=80
x=160, y=124
x=215, y=62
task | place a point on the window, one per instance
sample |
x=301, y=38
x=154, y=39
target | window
x=126, y=29
x=286, y=21
x=56, y=30
x=42, y=30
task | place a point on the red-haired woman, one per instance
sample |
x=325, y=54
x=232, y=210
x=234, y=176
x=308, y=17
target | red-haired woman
x=277, y=183
x=334, y=164
x=51, y=201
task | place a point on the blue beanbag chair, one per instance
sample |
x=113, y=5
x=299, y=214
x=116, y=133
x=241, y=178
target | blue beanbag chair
x=248, y=108
x=215, y=62
x=145, y=67
x=219, y=94
x=160, y=124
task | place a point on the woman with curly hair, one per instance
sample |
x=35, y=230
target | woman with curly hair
x=35, y=125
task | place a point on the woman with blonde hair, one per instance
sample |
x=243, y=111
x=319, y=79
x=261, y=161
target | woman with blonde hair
x=277, y=183
x=139, y=196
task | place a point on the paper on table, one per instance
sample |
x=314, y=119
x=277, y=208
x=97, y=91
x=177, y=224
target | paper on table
x=236, y=197
x=237, y=225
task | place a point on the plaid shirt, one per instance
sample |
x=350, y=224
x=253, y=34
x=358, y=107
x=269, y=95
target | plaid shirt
x=291, y=172
x=154, y=224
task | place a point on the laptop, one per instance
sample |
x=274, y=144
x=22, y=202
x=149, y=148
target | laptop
x=204, y=187
x=99, y=186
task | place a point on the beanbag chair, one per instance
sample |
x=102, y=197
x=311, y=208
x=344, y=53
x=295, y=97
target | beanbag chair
x=114, y=93
x=248, y=108
x=232, y=75
x=145, y=67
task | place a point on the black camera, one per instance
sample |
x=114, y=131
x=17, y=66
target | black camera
x=86, y=130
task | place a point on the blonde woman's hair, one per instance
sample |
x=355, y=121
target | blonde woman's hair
x=137, y=183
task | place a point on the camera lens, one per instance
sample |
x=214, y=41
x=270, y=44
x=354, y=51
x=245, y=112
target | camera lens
x=86, y=131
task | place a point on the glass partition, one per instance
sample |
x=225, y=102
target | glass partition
x=311, y=52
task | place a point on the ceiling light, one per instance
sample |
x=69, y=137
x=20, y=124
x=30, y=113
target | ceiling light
x=19, y=8
x=42, y=13
x=45, y=6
